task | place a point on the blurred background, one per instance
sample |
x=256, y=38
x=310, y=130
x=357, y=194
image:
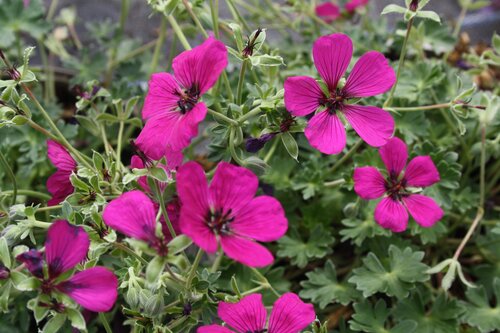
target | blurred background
x=480, y=24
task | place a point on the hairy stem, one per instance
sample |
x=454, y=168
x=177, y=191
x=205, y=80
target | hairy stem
x=346, y=156
x=11, y=175
x=178, y=32
x=159, y=44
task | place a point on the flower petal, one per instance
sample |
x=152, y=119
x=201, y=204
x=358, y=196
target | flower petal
x=262, y=219
x=290, y=315
x=95, y=289
x=332, y=55
x=60, y=157
x=391, y=214
x=66, y=245
x=202, y=65
x=59, y=185
x=192, y=188
x=232, y=187
x=394, y=154
x=302, y=95
x=213, y=329
x=421, y=172
x=327, y=11
x=246, y=251
x=369, y=183
x=375, y=126
x=352, y=5
x=170, y=131
x=247, y=315
x=33, y=260
x=162, y=97
x=371, y=75
x=424, y=210
x=132, y=214
x=326, y=133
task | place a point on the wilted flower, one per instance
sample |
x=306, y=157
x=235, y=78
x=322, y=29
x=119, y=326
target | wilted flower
x=59, y=184
x=289, y=315
x=226, y=211
x=253, y=145
x=172, y=108
x=370, y=76
x=392, y=211
x=67, y=245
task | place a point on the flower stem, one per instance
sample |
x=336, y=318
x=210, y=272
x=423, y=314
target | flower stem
x=232, y=149
x=236, y=15
x=222, y=117
x=241, y=79
x=264, y=282
x=334, y=183
x=48, y=208
x=255, y=111
x=118, y=151
x=159, y=44
x=164, y=211
x=194, y=267
x=217, y=261
x=214, y=7
x=347, y=155
x=460, y=19
x=125, y=248
x=11, y=175
x=178, y=32
x=30, y=193
x=420, y=108
x=104, y=322
x=480, y=208
x=402, y=56
x=195, y=18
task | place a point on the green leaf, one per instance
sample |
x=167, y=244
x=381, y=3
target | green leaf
x=393, y=9
x=479, y=313
x=54, y=324
x=358, y=230
x=30, y=283
x=373, y=319
x=290, y=144
x=394, y=277
x=323, y=288
x=266, y=60
x=429, y=14
x=76, y=318
x=236, y=28
x=438, y=315
x=300, y=252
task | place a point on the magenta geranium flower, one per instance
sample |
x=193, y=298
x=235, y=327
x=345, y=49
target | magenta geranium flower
x=352, y=5
x=397, y=188
x=134, y=215
x=226, y=211
x=327, y=11
x=66, y=245
x=172, y=108
x=59, y=184
x=289, y=315
x=370, y=76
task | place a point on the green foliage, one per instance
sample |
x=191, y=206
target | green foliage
x=478, y=311
x=323, y=288
x=368, y=318
x=395, y=275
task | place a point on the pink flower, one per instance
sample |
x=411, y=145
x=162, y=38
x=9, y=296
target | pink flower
x=172, y=108
x=352, y=5
x=392, y=211
x=227, y=211
x=289, y=315
x=327, y=11
x=134, y=215
x=370, y=76
x=174, y=160
x=59, y=184
x=66, y=245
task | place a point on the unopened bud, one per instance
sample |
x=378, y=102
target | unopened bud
x=414, y=5
x=4, y=272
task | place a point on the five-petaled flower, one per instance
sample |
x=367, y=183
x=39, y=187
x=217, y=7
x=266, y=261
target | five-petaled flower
x=370, y=76
x=66, y=245
x=289, y=315
x=172, y=108
x=226, y=211
x=330, y=11
x=59, y=183
x=399, y=198
x=134, y=215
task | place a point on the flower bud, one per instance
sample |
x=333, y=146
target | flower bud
x=414, y=5
x=4, y=272
x=253, y=145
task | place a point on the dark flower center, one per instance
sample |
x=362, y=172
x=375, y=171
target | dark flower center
x=334, y=102
x=219, y=221
x=395, y=188
x=188, y=98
